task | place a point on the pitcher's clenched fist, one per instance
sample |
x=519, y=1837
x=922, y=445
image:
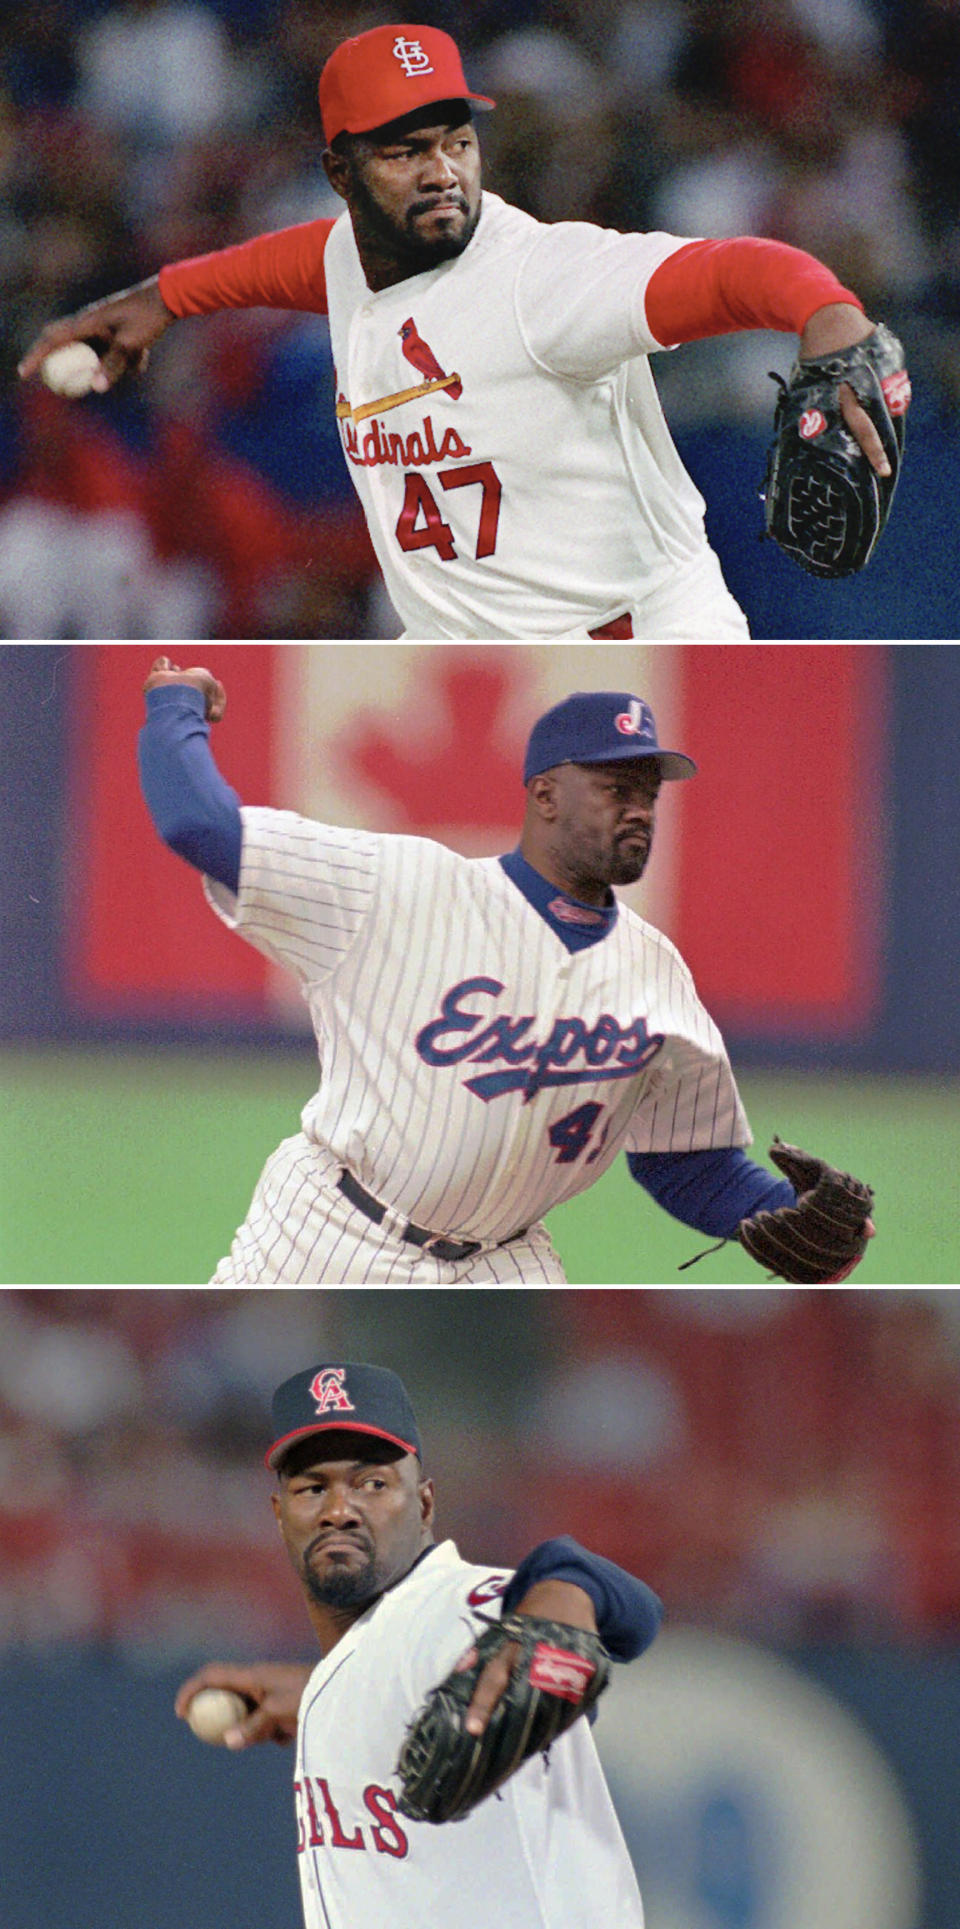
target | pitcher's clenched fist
x=122, y=329
x=213, y=693
x=272, y=1691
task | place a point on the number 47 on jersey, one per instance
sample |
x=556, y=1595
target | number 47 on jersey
x=432, y=532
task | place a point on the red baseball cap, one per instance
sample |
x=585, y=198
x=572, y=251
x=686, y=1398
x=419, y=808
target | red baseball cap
x=377, y=76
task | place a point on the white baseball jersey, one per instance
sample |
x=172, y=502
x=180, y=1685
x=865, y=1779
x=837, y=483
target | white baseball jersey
x=475, y=1072
x=504, y=433
x=545, y=1853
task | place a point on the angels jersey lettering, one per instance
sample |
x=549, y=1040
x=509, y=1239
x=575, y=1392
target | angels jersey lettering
x=547, y=1851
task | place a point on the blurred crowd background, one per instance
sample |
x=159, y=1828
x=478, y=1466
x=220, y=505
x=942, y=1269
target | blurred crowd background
x=211, y=499
x=780, y=1463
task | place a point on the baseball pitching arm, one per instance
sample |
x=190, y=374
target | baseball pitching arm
x=275, y=1689
x=553, y=1601
x=193, y=808
x=164, y=675
x=122, y=329
x=281, y=270
x=720, y=287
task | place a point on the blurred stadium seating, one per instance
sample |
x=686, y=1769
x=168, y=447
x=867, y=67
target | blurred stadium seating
x=214, y=492
x=782, y=1463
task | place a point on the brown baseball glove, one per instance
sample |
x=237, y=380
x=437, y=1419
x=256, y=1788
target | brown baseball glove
x=818, y=1241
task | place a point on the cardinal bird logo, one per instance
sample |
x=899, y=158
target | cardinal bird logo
x=421, y=356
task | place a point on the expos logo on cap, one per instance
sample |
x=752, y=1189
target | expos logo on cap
x=637, y=721
x=600, y=726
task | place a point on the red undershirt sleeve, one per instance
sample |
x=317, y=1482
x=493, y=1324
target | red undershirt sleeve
x=718, y=287
x=282, y=270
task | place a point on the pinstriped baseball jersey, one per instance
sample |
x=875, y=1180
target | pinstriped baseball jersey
x=300, y=1230
x=504, y=434
x=546, y=1853
x=475, y=1072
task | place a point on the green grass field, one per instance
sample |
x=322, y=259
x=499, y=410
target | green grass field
x=121, y=1169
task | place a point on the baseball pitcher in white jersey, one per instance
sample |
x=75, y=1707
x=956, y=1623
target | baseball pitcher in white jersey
x=394, y=1613
x=492, y=1032
x=494, y=397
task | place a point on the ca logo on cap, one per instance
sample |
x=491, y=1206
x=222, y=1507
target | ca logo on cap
x=411, y=56
x=329, y=1391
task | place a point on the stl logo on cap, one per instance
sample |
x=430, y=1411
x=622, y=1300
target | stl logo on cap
x=635, y=721
x=329, y=1391
x=411, y=56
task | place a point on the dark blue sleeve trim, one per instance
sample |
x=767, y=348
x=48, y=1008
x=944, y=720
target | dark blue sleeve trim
x=628, y=1612
x=192, y=805
x=710, y=1191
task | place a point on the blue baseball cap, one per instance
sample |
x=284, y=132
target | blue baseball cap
x=600, y=727
x=349, y=1398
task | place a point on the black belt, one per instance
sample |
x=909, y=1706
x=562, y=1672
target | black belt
x=449, y=1249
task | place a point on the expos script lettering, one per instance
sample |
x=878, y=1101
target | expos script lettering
x=574, y=1053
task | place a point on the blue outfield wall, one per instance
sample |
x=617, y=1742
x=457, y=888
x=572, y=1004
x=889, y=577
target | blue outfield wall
x=911, y=586
x=113, y=1817
x=909, y=1701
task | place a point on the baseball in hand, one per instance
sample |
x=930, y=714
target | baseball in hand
x=213, y=1710
x=70, y=370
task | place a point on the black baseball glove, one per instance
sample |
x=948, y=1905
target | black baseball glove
x=823, y=502
x=559, y=1674
x=818, y=1241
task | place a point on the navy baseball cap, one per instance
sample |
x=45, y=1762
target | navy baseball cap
x=342, y=1399
x=599, y=727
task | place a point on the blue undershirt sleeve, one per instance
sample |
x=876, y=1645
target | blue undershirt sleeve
x=710, y=1191
x=192, y=805
x=628, y=1612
